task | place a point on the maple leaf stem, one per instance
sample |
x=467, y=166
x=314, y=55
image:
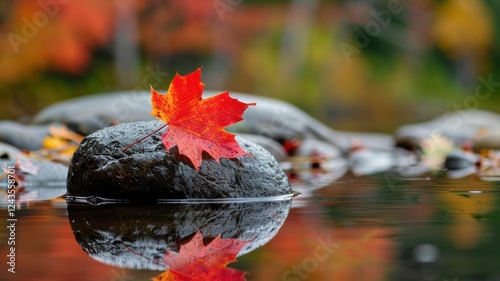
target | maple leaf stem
x=143, y=138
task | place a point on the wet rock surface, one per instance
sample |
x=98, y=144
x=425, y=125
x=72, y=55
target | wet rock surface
x=116, y=234
x=146, y=171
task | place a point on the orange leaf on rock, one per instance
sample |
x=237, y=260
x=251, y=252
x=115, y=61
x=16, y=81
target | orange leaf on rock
x=196, y=124
x=196, y=261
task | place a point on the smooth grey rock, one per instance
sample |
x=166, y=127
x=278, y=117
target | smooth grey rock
x=146, y=171
x=22, y=136
x=462, y=173
x=367, y=162
x=459, y=159
x=48, y=182
x=48, y=174
x=312, y=147
x=276, y=149
x=8, y=151
x=271, y=118
x=88, y=114
x=372, y=141
x=105, y=232
x=282, y=121
x=459, y=126
x=489, y=141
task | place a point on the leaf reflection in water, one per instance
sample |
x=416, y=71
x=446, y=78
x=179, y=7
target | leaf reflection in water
x=205, y=262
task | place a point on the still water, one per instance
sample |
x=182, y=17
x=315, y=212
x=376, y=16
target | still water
x=379, y=227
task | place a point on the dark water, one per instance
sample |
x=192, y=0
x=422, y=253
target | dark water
x=377, y=227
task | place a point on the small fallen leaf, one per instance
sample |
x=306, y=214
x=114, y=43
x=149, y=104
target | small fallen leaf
x=19, y=177
x=63, y=132
x=26, y=166
x=49, y=142
x=59, y=145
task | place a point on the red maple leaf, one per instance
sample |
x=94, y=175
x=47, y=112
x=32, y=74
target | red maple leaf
x=196, y=261
x=196, y=124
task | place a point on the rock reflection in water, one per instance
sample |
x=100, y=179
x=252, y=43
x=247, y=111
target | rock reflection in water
x=138, y=236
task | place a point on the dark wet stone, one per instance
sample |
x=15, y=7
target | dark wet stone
x=48, y=182
x=147, y=171
x=459, y=126
x=105, y=232
x=459, y=159
x=271, y=118
x=22, y=136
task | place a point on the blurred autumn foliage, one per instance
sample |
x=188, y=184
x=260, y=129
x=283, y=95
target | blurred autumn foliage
x=405, y=60
x=52, y=36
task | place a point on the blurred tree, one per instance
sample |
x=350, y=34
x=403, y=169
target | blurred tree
x=56, y=49
x=463, y=29
x=41, y=35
